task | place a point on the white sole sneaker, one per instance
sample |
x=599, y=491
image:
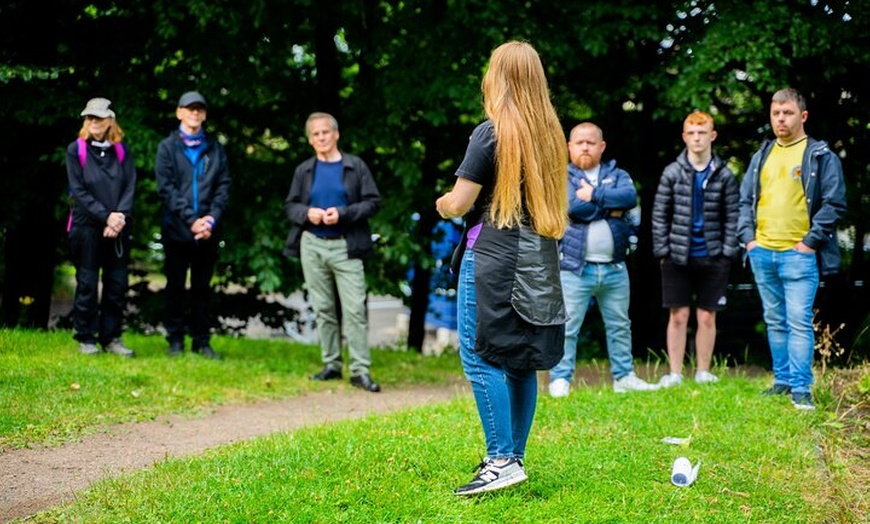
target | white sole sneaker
x=559, y=388
x=705, y=377
x=87, y=348
x=492, y=477
x=670, y=380
x=632, y=382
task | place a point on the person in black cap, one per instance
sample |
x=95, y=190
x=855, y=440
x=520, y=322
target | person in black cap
x=102, y=183
x=194, y=182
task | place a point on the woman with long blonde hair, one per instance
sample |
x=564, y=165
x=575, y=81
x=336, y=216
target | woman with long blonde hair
x=511, y=188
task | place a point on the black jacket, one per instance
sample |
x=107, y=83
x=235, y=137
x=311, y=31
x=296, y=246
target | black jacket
x=102, y=186
x=672, y=211
x=825, y=190
x=175, y=186
x=520, y=307
x=363, y=201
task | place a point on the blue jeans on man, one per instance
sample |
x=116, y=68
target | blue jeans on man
x=505, y=397
x=787, y=282
x=610, y=286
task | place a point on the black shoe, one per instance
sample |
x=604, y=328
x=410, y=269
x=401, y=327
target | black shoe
x=176, y=349
x=365, y=382
x=327, y=374
x=777, y=389
x=207, y=352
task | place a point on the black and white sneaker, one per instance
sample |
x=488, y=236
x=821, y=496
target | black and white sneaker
x=492, y=476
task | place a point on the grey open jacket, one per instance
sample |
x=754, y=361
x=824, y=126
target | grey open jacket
x=672, y=211
x=825, y=190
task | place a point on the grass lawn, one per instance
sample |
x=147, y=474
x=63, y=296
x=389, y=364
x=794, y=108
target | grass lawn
x=594, y=456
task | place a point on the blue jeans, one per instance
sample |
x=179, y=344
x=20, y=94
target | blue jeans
x=505, y=397
x=787, y=282
x=609, y=284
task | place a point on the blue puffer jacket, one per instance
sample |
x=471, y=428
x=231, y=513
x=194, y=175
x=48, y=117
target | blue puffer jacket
x=615, y=192
x=825, y=190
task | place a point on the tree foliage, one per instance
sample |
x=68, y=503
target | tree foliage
x=402, y=77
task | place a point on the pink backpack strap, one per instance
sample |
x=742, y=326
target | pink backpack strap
x=120, y=152
x=83, y=151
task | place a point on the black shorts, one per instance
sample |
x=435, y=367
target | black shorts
x=705, y=278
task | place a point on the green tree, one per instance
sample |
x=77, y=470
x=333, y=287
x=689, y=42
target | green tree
x=403, y=79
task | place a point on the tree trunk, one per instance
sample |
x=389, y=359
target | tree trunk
x=420, y=290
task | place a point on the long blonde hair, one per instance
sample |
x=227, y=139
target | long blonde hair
x=114, y=134
x=531, y=155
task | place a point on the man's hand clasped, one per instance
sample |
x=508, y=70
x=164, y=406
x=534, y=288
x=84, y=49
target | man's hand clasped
x=202, y=227
x=327, y=217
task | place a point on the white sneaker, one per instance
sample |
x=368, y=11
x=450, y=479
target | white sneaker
x=117, y=347
x=88, y=348
x=705, y=377
x=671, y=380
x=559, y=388
x=631, y=382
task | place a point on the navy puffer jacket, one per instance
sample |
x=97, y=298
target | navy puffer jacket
x=615, y=192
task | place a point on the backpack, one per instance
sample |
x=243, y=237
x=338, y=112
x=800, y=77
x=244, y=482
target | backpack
x=83, y=157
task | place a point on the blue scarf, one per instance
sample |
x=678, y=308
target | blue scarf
x=194, y=147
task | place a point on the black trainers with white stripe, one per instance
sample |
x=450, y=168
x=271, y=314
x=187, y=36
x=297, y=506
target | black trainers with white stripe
x=492, y=476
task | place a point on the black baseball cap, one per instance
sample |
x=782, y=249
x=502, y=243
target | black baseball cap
x=190, y=98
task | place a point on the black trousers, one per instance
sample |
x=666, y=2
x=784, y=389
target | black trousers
x=98, y=316
x=199, y=257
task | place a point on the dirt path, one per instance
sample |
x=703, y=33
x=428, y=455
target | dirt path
x=34, y=480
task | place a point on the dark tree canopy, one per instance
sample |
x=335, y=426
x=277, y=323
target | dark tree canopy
x=403, y=78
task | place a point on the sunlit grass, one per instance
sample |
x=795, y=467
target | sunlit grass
x=594, y=456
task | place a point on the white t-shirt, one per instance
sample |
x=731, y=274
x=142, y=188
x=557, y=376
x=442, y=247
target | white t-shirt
x=599, y=238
